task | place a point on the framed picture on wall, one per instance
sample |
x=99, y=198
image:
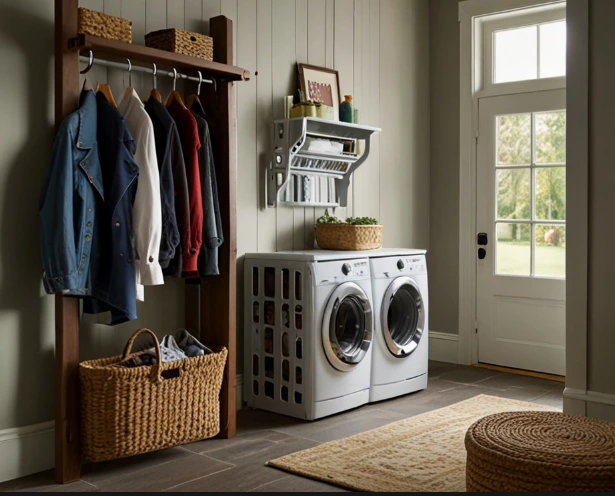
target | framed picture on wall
x=320, y=85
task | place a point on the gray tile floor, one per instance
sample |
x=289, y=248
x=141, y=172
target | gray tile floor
x=238, y=464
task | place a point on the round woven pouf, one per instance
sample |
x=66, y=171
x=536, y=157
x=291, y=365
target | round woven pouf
x=540, y=451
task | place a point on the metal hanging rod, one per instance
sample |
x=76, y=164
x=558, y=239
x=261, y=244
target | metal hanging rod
x=90, y=61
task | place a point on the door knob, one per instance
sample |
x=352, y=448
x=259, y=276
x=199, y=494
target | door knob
x=482, y=253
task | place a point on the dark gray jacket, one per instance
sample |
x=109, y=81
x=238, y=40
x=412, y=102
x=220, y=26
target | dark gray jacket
x=173, y=188
x=212, y=222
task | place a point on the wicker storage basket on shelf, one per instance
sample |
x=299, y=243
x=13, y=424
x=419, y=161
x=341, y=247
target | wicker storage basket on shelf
x=348, y=238
x=180, y=41
x=98, y=24
x=128, y=411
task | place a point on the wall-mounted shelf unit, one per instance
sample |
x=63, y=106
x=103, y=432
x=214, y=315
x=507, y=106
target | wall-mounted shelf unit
x=322, y=177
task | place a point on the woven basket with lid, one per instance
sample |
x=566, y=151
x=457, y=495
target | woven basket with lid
x=180, y=41
x=98, y=24
x=348, y=237
x=129, y=411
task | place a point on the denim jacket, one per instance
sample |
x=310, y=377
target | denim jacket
x=67, y=209
x=85, y=211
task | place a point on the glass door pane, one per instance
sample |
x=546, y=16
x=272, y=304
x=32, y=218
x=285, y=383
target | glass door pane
x=530, y=176
x=514, y=249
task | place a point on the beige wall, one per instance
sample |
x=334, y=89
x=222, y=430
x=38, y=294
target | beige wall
x=590, y=340
x=381, y=49
x=601, y=276
x=444, y=204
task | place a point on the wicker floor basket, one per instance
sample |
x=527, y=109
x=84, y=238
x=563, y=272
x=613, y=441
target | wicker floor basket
x=348, y=238
x=180, y=41
x=128, y=411
x=98, y=24
x=540, y=452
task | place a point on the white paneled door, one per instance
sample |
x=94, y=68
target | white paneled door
x=521, y=219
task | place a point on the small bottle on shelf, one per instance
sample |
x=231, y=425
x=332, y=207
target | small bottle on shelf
x=346, y=110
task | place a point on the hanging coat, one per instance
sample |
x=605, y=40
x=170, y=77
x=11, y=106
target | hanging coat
x=69, y=203
x=112, y=267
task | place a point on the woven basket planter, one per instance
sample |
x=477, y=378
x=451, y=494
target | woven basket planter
x=540, y=452
x=98, y=24
x=180, y=41
x=129, y=411
x=348, y=238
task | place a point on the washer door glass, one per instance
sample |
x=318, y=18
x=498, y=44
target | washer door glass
x=347, y=326
x=403, y=317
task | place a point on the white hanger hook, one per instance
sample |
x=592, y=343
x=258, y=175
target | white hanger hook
x=198, y=90
x=174, y=77
x=129, y=73
x=154, y=74
x=90, y=63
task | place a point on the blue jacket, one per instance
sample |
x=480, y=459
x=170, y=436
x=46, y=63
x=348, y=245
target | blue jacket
x=67, y=210
x=86, y=211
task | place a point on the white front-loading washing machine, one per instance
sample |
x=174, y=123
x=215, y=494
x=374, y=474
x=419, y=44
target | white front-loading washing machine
x=400, y=349
x=308, y=329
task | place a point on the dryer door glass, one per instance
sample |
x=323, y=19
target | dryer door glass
x=347, y=326
x=403, y=317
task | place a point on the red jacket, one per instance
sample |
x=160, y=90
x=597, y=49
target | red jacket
x=191, y=144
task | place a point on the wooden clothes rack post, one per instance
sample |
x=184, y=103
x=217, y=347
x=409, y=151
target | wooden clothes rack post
x=210, y=305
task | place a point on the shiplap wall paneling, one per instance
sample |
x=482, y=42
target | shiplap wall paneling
x=381, y=61
x=301, y=53
x=343, y=62
x=175, y=14
x=264, y=122
x=317, y=55
x=371, y=193
x=357, y=93
x=247, y=164
x=404, y=100
x=283, y=67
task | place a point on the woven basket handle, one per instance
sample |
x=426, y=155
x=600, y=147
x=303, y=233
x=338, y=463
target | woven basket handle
x=156, y=371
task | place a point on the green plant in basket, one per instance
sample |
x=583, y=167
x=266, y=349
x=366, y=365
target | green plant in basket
x=362, y=221
x=352, y=221
x=328, y=219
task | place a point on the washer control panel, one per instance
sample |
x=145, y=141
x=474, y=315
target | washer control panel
x=328, y=272
x=413, y=264
x=359, y=268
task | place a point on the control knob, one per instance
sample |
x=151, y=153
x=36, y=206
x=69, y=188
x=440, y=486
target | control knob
x=347, y=269
x=401, y=265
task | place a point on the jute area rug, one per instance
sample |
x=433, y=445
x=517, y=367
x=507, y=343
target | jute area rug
x=418, y=454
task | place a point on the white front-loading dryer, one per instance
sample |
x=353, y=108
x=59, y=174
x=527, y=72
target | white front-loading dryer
x=308, y=331
x=400, y=351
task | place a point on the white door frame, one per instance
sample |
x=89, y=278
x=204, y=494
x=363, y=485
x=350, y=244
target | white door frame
x=471, y=74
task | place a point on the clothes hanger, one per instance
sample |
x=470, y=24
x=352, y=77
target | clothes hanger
x=105, y=89
x=86, y=83
x=192, y=99
x=174, y=95
x=155, y=93
x=129, y=88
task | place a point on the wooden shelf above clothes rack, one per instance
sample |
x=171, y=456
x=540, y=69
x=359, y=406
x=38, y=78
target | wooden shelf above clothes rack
x=120, y=51
x=210, y=302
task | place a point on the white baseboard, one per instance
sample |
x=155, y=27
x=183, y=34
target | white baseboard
x=590, y=403
x=590, y=396
x=26, y=450
x=239, y=384
x=443, y=347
